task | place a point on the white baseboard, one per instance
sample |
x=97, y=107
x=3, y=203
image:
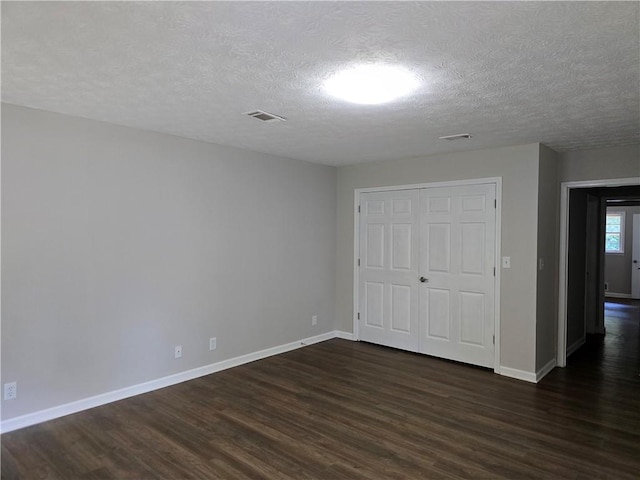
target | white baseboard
x=518, y=374
x=528, y=376
x=344, y=335
x=115, y=395
x=617, y=295
x=575, y=345
x=550, y=365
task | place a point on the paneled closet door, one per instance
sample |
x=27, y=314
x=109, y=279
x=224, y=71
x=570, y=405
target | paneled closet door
x=388, y=286
x=457, y=261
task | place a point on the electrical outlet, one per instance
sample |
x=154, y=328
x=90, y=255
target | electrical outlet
x=212, y=343
x=10, y=390
x=178, y=351
x=314, y=320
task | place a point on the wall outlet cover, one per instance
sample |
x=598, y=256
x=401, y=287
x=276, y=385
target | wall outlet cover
x=10, y=390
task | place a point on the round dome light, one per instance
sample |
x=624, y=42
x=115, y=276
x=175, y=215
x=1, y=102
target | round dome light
x=371, y=84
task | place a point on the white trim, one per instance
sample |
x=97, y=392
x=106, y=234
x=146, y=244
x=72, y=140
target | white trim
x=356, y=256
x=565, y=187
x=550, y=365
x=518, y=374
x=417, y=186
x=344, y=335
x=561, y=347
x=115, y=395
x=498, y=245
x=635, y=252
x=617, y=295
x=576, y=345
x=497, y=181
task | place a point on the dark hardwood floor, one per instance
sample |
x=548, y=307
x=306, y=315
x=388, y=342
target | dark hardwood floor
x=346, y=410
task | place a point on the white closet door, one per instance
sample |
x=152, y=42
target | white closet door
x=457, y=260
x=389, y=268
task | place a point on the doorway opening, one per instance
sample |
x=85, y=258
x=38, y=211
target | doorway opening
x=590, y=257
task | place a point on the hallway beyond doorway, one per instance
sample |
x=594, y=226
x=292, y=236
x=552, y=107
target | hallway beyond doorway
x=615, y=356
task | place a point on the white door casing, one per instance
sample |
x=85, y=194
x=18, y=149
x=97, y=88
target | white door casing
x=457, y=261
x=388, y=269
x=635, y=258
x=447, y=235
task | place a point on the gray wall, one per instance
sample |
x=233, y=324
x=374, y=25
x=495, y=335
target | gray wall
x=601, y=163
x=518, y=167
x=617, y=267
x=118, y=244
x=583, y=165
x=547, y=282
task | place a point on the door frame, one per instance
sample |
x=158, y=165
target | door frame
x=497, y=181
x=565, y=190
x=593, y=259
x=635, y=244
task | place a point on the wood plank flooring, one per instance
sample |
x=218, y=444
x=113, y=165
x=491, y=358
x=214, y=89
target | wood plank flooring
x=347, y=410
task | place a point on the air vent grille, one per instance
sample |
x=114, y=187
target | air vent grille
x=458, y=136
x=265, y=116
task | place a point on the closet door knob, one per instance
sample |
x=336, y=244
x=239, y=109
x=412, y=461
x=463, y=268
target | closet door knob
x=424, y=280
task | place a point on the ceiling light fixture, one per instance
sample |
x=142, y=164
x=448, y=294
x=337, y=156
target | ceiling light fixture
x=371, y=84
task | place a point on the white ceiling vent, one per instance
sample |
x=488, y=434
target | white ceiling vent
x=457, y=136
x=265, y=116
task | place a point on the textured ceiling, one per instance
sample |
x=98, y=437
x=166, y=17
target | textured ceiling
x=562, y=73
